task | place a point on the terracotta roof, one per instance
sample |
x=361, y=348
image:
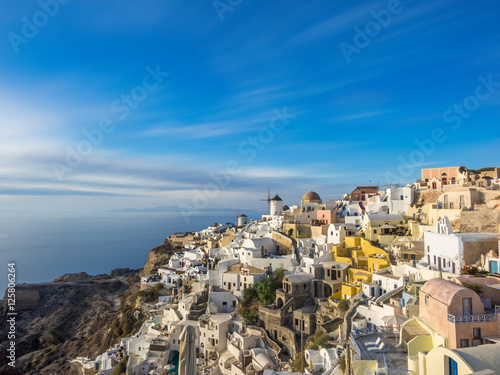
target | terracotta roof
x=237, y=268
x=442, y=290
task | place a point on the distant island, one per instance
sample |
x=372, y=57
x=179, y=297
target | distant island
x=176, y=209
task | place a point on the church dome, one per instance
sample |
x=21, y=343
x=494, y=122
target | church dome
x=311, y=197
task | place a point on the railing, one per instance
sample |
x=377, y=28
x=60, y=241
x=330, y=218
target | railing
x=497, y=309
x=456, y=319
x=374, y=329
x=388, y=371
x=356, y=346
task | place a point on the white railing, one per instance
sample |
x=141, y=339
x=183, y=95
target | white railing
x=388, y=371
x=455, y=319
x=356, y=346
x=374, y=329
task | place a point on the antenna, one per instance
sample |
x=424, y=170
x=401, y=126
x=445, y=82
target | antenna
x=268, y=198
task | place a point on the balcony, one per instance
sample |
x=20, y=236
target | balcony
x=484, y=318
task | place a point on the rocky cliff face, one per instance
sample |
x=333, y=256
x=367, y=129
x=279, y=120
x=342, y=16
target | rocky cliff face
x=77, y=315
x=65, y=319
x=159, y=256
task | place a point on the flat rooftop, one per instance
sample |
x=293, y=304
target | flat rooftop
x=395, y=357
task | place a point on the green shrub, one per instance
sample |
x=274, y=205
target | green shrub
x=158, y=287
x=121, y=368
x=55, y=337
x=343, y=306
x=342, y=362
x=319, y=339
x=299, y=362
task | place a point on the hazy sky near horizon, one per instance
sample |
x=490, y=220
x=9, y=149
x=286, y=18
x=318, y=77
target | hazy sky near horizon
x=107, y=105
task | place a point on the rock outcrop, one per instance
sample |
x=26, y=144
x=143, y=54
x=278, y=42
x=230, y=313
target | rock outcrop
x=65, y=319
x=159, y=256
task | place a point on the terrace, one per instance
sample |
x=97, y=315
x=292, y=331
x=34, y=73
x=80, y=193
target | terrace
x=391, y=359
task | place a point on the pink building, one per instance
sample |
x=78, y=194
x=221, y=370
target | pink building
x=437, y=178
x=458, y=314
x=326, y=217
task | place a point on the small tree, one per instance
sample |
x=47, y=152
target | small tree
x=55, y=337
x=319, y=340
x=121, y=368
x=158, y=287
x=343, y=306
x=342, y=362
x=299, y=362
x=475, y=287
x=266, y=291
x=278, y=276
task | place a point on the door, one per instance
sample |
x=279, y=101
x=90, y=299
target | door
x=452, y=367
x=434, y=185
x=493, y=266
x=467, y=306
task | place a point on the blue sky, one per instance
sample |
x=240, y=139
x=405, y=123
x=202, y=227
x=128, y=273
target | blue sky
x=354, y=120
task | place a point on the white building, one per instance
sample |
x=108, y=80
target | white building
x=213, y=330
x=241, y=276
x=448, y=251
x=222, y=302
x=322, y=360
x=338, y=232
x=276, y=206
x=394, y=200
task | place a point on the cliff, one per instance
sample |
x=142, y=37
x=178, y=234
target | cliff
x=78, y=315
x=67, y=318
x=160, y=255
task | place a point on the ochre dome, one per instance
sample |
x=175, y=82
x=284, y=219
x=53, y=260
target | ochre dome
x=311, y=197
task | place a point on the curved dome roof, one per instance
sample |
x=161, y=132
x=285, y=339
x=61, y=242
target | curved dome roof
x=311, y=197
x=442, y=290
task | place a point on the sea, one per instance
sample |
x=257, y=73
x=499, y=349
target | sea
x=44, y=246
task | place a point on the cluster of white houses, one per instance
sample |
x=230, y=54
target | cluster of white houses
x=396, y=255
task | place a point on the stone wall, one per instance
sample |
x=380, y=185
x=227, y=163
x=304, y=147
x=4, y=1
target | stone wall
x=297, y=230
x=484, y=221
x=285, y=243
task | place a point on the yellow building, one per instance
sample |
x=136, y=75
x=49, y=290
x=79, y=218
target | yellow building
x=360, y=254
x=364, y=259
x=383, y=228
x=297, y=230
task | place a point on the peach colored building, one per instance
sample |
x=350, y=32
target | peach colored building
x=457, y=313
x=326, y=217
x=447, y=175
x=441, y=178
x=454, y=200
